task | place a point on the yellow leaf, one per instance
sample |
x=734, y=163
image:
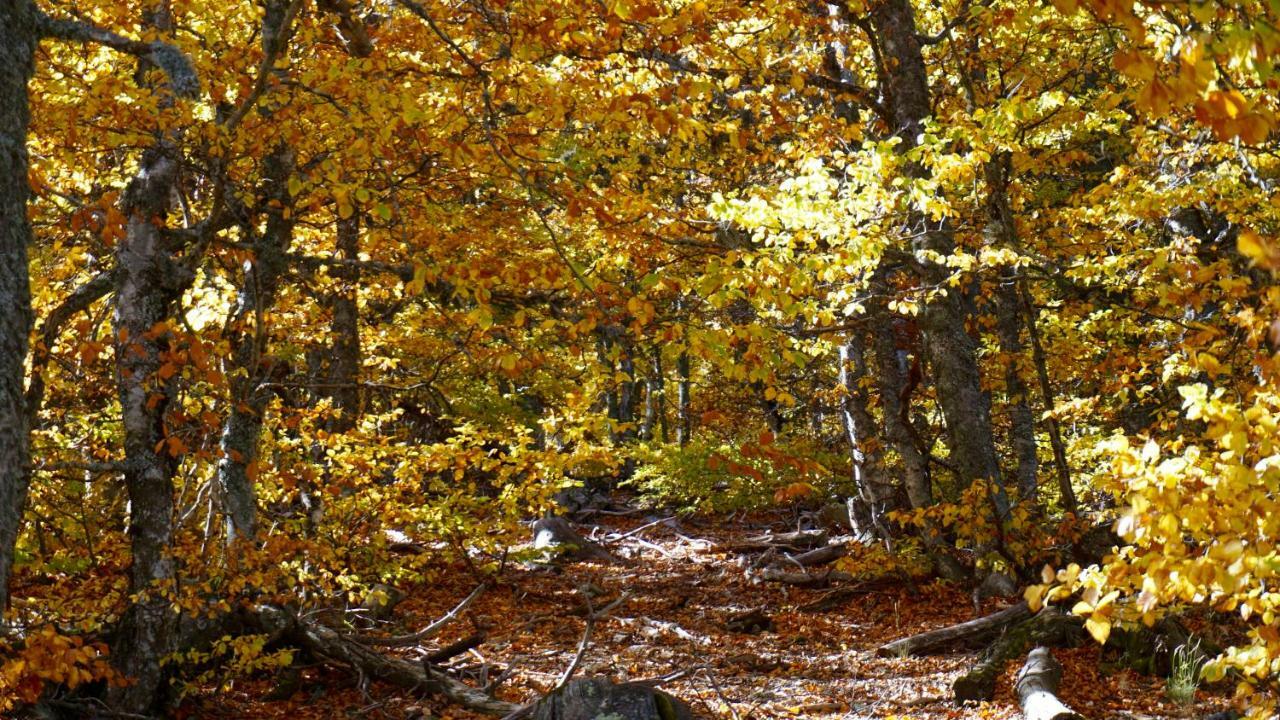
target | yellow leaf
x=1099, y=628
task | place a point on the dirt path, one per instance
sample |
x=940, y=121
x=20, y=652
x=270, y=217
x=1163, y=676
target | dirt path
x=684, y=588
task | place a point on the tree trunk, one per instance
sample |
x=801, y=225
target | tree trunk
x=1002, y=232
x=345, y=357
x=249, y=330
x=18, y=39
x=684, y=424
x=1048, y=626
x=952, y=353
x=250, y=334
x=150, y=279
x=874, y=489
x=979, y=628
x=896, y=419
x=1069, y=502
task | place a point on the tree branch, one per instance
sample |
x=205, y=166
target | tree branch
x=177, y=66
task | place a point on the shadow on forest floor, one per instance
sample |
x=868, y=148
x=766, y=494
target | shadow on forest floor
x=684, y=589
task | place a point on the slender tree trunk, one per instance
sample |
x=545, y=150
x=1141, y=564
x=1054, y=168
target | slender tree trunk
x=892, y=377
x=627, y=392
x=150, y=280
x=656, y=398
x=684, y=424
x=1002, y=232
x=345, y=358
x=1069, y=502
x=874, y=489
x=952, y=353
x=250, y=333
x=249, y=330
x=18, y=39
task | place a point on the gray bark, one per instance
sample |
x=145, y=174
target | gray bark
x=1037, y=688
x=599, y=699
x=1002, y=232
x=250, y=332
x=248, y=328
x=150, y=278
x=874, y=489
x=19, y=35
x=684, y=424
x=892, y=380
x=952, y=353
x=344, y=331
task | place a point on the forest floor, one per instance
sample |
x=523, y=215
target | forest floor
x=683, y=587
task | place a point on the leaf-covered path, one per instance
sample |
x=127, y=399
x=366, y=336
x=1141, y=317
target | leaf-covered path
x=684, y=583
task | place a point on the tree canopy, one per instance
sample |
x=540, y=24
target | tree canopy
x=291, y=286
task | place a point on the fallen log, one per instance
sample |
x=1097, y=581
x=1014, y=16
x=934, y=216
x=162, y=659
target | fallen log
x=797, y=541
x=455, y=648
x=1048, y=627
x=819, y=556
x=1037, y=688
x=978, y=629
x=804, y=579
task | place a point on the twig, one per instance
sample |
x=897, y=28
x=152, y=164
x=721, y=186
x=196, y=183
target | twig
x=640, y=529
x=592, y=616
x=428, y=631
x=716, y=687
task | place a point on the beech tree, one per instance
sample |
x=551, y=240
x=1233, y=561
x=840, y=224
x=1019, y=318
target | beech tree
x=306, y=300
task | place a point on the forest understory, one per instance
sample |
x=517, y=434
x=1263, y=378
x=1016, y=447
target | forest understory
x=685, y=584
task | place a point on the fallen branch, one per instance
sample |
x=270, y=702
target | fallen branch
x=798, y=541
x=804, y=579
x=455, y=648
x=1037, y=688
x=428, y=631
x=325, y=642
x=592, y=616
x=966, y=631
x=820, y=556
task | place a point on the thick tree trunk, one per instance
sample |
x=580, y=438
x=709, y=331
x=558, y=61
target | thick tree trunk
x=1002, y=232
x=952, y=353
x=249, y=330
x=18, y=39
x=149, y=282
x=874, y=489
